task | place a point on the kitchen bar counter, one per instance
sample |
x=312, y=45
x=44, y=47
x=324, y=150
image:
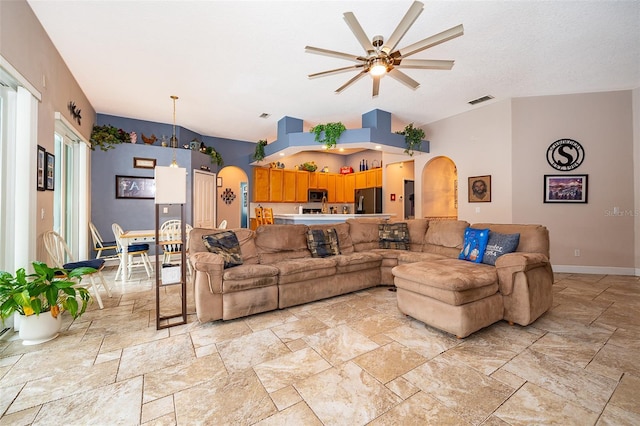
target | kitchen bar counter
x=315, y=219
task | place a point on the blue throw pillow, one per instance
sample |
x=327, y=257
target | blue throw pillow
x=498, y=245
x=475, y=241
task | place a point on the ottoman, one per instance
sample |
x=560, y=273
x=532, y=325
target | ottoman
x=455, y=296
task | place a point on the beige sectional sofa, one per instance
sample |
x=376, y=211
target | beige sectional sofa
x=457, y=296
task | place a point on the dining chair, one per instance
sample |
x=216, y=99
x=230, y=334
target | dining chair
x=223, y=224
x=267, y=216
x=133, y=250
x=59, y=252
x=99, y=245
x=259, y=217
x=171, y=241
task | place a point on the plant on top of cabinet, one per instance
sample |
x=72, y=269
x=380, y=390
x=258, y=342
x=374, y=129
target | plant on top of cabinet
x=332, y=132
x=105, y=137
x=216, y=158
x=412, y=138
x=258, y=155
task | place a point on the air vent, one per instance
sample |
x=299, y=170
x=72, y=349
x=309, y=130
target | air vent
x=265, y=115
x=482, y=99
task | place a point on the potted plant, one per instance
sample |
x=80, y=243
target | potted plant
x=412, y=137
x=258, y=155
x=216, y=158
x=107, y=136
x=40, y=298
x=328, y=134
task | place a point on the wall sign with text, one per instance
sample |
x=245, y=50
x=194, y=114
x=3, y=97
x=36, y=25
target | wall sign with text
x=565, y=155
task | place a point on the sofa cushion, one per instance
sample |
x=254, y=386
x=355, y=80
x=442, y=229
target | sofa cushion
x=412, y=257
x=533, y=238
x=345, y=244
x=246, y=238
x=281, y=242
x=225, y=244
x=358, y=261
x=475, y=242
x=297, y=270
x=364, y=233
x=498, y=245
x=445, y=237
x=245, y=277
x=323, y=242
x=393, y=236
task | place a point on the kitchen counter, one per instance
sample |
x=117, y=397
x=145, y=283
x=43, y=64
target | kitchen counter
x=315, y=219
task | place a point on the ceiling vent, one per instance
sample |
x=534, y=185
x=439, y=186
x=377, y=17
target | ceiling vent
x=265, y=115
x=482, y=99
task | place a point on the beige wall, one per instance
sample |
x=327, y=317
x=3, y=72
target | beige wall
x=26, y=47
x=231, y=178
x=636, y=172
x=602, y=123
x=394, y=175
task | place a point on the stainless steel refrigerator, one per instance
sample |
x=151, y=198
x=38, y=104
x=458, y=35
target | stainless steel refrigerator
x=368, y=201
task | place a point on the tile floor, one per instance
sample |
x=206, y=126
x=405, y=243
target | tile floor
x=349, y=360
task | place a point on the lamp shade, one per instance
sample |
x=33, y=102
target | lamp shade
x=171, y=185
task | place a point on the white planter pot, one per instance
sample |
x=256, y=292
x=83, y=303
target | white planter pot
x=36, y=329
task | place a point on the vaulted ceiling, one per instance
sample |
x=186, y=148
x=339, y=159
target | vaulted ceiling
x=231, y=61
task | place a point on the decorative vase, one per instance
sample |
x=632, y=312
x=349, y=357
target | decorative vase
x=36, y=329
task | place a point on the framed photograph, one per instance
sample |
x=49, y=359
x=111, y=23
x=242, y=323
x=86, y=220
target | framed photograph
x=480, y=189
x=144, y=163
x=51, y=172
x=42, y=163
x=566, y=188
x=135, y=187
x=219, y=182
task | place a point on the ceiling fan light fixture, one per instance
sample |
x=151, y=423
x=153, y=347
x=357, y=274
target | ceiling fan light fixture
x=378, y=67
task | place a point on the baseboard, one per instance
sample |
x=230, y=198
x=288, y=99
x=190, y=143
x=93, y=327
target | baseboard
x=608, y=270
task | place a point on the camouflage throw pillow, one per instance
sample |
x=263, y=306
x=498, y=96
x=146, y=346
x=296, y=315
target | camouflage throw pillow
x=224, y=243
x=393, y=236
x=323, y=242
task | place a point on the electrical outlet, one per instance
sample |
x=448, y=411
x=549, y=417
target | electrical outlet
x=477, y=209
x=576, y=252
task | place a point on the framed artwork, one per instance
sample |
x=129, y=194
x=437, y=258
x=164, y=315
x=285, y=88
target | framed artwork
x=144, y=163
x=135, y=187
x=480, y=189
x=51, y=172
x=566, y=188
x=42, y=163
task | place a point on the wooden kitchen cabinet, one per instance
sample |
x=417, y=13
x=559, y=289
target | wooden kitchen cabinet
x=378, y=173
x=361, y=180
x=331, y=188
x=289, y=192
x=302, y=186
x=340, y=189
x=260, y=184
x=313, y=180
x=276, y=180
x=371, y=178
x=323, y=181
x=349, y=188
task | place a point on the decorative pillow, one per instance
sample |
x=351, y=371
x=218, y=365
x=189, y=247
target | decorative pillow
x=323, y=242
x=224, y=243
x=498, y=245
x=475, y=242
x=393, y=235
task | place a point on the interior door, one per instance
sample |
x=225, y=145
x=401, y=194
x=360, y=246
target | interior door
x=204, y=199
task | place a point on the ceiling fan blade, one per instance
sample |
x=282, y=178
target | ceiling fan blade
x=409, y=18
x=335, y=71
x=428, y=42
x=376, y=85
x=403, y=78
x=350, y=82
x=357, y=30
x=333, y=53
x=425, y=64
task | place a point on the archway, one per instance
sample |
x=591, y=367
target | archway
x=440, y=189
x=231, y=197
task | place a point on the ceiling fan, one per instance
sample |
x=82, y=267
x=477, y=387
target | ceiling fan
x=381, y=58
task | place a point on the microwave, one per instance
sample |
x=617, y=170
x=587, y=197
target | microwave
x=315, y=195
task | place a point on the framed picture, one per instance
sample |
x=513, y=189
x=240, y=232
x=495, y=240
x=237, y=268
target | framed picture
x=144, y=163
x=51, y=172
x=135, y=187
x=219, y=182
x=565, y=188
x=42, y=163
x=480, y=189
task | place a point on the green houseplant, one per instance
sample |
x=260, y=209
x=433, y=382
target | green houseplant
x=328, y=134
x=412, y=137
x=47, y=290
x=258, y=154
x=216, y=158
x=107, y=136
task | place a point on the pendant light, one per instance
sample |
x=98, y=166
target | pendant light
x=174, y=139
